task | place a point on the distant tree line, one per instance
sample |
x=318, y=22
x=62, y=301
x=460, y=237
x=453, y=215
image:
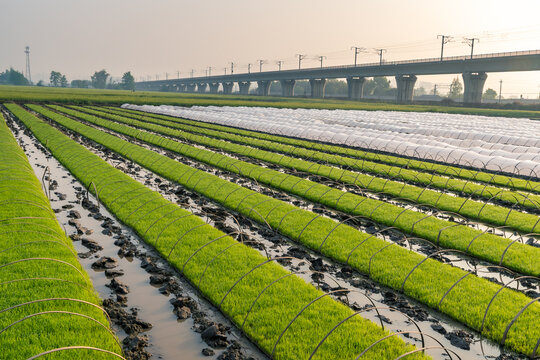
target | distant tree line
x=57, y=79
x=13, y=77
x=102, y=80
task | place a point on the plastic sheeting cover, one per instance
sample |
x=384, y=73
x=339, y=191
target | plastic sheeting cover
x=509, y=145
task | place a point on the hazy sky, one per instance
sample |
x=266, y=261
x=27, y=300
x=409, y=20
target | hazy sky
x=149, y=38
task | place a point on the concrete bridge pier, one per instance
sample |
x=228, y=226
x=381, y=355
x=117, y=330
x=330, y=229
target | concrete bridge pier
x=201, y=87
x=190, y=88
x=227, y=87
x=287, y=87
x=244, y=87
x=405, y=87
x=317, y=87
x=474, y=87
x=214, y=87
x=355, y=86
x=263, y=87
x=181, y=87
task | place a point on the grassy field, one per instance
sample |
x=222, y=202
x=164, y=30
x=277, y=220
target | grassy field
x=114, y=97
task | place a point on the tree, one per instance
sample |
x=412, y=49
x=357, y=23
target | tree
x=80, y=84
x=378, y=86
x=40, y=83
x=56, y=78
x=420, y=91
x=456, y=89
x=490, y=94
x=99, y=79
x=128, y=82
x=336, y=87
x=13, y=77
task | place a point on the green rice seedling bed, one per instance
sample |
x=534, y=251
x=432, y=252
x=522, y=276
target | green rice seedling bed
x=501, y=314
x=47, y=301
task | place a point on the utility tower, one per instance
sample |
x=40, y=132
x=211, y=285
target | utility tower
x=28, y=74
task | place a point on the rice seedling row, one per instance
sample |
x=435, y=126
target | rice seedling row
x=48, y=302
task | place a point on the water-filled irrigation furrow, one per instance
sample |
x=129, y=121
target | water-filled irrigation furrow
x=230, y=274
x=452, y=291
x=47, y=302
x=393, y=177
x=480, y=244
x=390, y=159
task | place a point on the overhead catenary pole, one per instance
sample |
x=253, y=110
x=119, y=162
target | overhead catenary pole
x=232, y=68
x=166, y=76
x=321, y=57
x=209, y=71
x=178, y=74
x=249, y=68
x=261, y=62
x=225, y=69
x=300, y=57
x=192, y=72
x=444, y=40
x=470, y=42
x=357, y=50
x=380, y=52
x=279, y=63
